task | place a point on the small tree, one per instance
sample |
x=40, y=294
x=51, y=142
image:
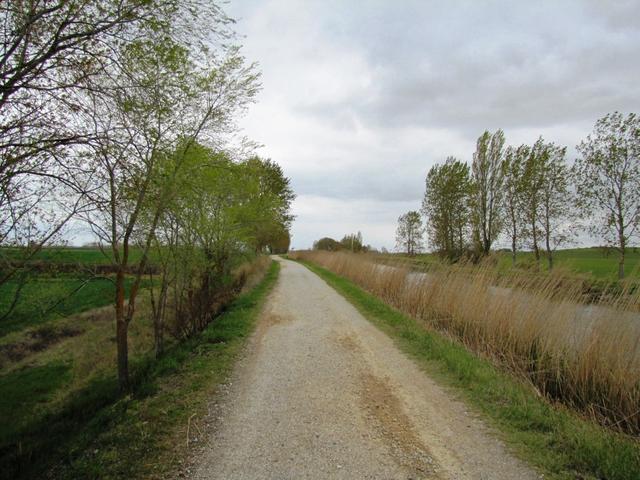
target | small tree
x=608, y=180
x=409, y=233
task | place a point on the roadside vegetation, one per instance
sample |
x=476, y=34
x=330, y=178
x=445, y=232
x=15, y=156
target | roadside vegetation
x=118, y=119
x=69, y=419
x=118, y=124
x=562, y=444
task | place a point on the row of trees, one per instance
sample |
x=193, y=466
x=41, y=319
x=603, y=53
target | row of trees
x=530, y=194
x=105, y=108
x=352, y=242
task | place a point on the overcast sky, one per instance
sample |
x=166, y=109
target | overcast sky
x=360, y=99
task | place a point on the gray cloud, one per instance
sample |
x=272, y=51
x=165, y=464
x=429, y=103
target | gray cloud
x=360, y=100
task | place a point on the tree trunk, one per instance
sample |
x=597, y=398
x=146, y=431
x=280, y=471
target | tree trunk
x=514, y=239
x=621, y=262
x=547, y=240
x=623, y=246
x=536, y=250
x=122, y=340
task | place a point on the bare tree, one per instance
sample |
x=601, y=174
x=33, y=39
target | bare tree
x=49, y=51
x=608, y=180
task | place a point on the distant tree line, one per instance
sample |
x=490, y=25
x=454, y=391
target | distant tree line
x=532, y=195
x=116, y=114
x=352, y=242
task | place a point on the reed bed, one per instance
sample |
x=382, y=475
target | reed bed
x=586, y=356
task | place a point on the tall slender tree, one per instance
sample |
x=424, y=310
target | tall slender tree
x=532, y=183
x=487, y=179
x=555, y=200
x=513, y=172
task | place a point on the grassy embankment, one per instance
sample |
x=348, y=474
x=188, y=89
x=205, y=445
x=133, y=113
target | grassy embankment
x=59, y=400
x=556, y=439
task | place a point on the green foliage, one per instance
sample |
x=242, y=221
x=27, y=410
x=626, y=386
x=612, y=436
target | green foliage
x=558, y=442
x=353, y=242
x=271, y=203
x=514, y=185
x=487, y=190
x=328, y=244
x=409, y=233
x=608, y=180
x=447, y=208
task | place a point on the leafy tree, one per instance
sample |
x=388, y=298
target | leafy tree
x=555, y=200
x=608, y=180
x=272, y=203
x=446, y=207
x=409, y=233
x=513, y=174
x=280, y=243
x=327, y=244
x=207, y=225
x=353, y=242
x=162, y=95
x=532, y=185
x=487, y=179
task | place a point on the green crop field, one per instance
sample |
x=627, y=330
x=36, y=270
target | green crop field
x=598, y=262
x=80, y=255
x=45, y=297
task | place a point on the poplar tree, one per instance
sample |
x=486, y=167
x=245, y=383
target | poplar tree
x=487, y=179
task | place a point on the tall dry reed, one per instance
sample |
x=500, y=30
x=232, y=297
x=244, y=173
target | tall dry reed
x=585, y=355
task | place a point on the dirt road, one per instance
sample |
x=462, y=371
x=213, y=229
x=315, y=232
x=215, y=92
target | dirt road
x=321, y=393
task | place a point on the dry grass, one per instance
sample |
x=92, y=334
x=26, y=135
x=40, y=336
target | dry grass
x=587, y=356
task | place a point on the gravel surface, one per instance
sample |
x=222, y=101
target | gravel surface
x=322, y=394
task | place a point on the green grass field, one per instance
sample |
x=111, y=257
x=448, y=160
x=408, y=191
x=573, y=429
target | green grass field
x=45, y=298
x=80, y=255
x=597, y=262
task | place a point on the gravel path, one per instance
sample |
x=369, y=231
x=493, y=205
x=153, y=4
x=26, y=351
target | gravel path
x=323, y=394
